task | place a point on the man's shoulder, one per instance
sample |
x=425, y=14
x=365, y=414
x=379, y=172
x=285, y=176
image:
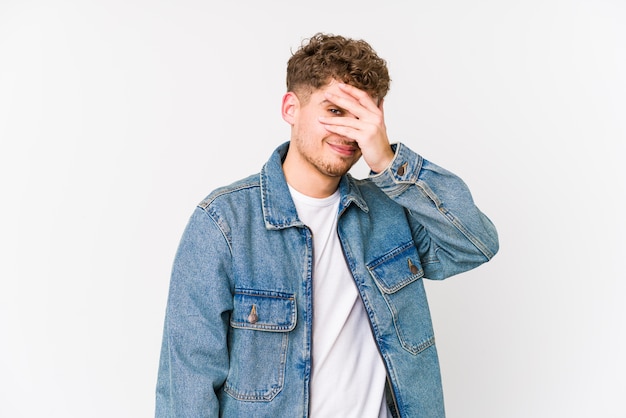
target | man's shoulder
x=233, y=191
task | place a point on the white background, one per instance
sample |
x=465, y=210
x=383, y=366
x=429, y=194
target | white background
x=118, y=116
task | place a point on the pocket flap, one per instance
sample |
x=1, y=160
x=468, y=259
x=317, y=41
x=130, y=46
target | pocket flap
x=397, y=268
x=263, y=310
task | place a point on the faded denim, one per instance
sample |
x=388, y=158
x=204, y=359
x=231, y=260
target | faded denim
x=238, y=332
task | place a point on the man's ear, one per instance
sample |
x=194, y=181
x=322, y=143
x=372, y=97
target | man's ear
x=290, y=107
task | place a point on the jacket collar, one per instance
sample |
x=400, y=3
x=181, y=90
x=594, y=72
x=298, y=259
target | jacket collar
x=279, y=211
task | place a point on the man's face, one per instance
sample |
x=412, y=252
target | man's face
x=319, y=151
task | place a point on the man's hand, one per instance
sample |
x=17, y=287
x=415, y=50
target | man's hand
x=366, y=128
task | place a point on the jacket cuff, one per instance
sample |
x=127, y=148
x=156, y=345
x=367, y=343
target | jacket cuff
x=404, y=168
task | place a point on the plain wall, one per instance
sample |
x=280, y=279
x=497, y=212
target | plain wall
x=118, y=116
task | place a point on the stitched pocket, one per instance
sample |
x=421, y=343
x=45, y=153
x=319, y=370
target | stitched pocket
x=260, y=321
x=398, y=275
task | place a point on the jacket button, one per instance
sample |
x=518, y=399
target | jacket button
x=402, y=169
x=412, y=267
x=253, y=317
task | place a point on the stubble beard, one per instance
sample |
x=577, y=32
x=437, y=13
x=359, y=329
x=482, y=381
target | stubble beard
x=325, y=163
x=331, y=168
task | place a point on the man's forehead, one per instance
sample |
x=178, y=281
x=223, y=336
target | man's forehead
x=333, y=85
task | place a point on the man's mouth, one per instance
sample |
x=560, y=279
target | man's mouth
x=345, y=149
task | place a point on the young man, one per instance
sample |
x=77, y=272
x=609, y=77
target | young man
x=298, y=292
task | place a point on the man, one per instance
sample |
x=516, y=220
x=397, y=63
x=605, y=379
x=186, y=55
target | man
x=298, y=292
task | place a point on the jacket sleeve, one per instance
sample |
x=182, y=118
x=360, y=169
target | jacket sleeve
x=194, y=354
x=452, y=235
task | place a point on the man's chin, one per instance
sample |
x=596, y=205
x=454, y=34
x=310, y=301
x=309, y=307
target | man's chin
x=338, y=171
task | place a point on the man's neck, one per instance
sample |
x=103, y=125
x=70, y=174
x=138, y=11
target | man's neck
x=310, y=182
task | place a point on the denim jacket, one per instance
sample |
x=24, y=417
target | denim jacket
x=238, y=330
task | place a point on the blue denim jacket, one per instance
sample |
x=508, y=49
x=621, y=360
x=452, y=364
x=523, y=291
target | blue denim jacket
x=238, y=331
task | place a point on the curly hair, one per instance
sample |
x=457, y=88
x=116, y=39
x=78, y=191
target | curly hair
x=326, y=56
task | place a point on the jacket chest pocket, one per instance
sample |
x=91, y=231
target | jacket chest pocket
x=258, y=341
x=398, y=275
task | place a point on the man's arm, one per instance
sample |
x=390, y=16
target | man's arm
x=194, y=355
x=452, y=234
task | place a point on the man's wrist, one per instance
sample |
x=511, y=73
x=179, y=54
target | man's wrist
x=384, y=162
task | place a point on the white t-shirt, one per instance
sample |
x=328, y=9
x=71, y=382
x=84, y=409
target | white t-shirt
x=348, y=375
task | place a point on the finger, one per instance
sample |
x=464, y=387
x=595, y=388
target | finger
x=351, y=128
x=343, y=128
x=344, y=131
x=351, y=105
x=360, y=95
x=345, y=102
x=341, y=121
